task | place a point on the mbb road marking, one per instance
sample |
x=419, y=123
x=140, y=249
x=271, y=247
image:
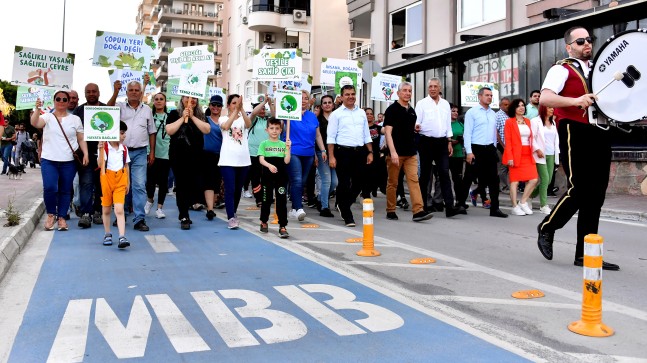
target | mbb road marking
x=130, y=340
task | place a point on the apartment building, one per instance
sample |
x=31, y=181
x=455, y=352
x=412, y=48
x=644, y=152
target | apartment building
x=182, y=23
x=511, y=43
x=319, y=28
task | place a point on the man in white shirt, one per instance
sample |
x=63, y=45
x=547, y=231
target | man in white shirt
x=434, y=124
x=586, y=150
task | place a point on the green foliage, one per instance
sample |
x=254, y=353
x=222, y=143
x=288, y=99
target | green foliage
x=103, y=61
x=324, y=59
x=71, y=56
x=99, y=33
x=374, y=74
x=299, y=52
x=17, y=49
x=210, y=48
x=10, y=92
x=12, y=214
x=360, y=65
x=170, y=50
x=256, y=51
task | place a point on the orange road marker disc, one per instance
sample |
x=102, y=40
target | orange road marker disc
x=527, y=294
x=355, y=240
x=309, y=226
x=422, y=261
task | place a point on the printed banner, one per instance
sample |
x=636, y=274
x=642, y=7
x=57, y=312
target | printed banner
x=217, y=91
x=288, y=104
x=173, y=95
x=123, y=51
x=151, y=87
x=26, y=98
x=277, y=64
x=330, y=66
x=125, y=76
x=470, y=90
x=384, y=87
x=193, y=84
x=304, y=84
x=42, y=68
x=344, y=79
x=101, y=123
x=194, y=60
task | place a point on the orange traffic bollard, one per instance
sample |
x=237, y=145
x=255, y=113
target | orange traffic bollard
x=368, y=244
x=591, y=323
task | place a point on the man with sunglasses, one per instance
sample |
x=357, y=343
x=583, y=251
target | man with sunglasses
x=89, y=183
x=138, y=117
x=585, y=149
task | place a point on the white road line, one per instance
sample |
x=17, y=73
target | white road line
x=15, y=293
x=595, y=358
x=161, y=244
x=511, y=301
x=72, y=335
x=180, y=332
x=408, y=265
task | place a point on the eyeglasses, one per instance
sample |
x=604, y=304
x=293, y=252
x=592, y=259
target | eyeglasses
x=159, y=99
x=59, y=99
x=214, y=104
x=580, y=41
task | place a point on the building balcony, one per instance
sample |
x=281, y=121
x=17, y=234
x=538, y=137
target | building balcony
x=363, y=53
x=189, y=34
x=168, y=14
x=271, y=18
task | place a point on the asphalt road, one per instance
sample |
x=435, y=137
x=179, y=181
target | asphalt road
x=213, y=294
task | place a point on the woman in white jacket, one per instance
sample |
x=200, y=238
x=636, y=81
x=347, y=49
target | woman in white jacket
x=546, y=152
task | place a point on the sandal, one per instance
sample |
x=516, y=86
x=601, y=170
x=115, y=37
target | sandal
x=62, y=224
x=107, y=239
x=49, y=223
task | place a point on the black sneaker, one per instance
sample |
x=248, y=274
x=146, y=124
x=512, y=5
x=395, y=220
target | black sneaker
x=185, y=223
x=141, y=226
x=391, y=216
x=211, y=214
x=97, y=218
x=264, y=227
x=107, y=239
x=85, y=221
x=283, y=233
x=545, y=242
x=422, y=216
x=349, y=223
x=405, y=204
x=605, y=265
x=123, y=242
x=325, y=212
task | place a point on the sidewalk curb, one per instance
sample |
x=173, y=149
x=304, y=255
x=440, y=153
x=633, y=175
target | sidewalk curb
x=11, y=246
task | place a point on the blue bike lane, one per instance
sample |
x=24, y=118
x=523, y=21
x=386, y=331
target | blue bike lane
x=213, y=294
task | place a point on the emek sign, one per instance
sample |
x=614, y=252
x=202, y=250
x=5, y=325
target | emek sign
x=130, y=340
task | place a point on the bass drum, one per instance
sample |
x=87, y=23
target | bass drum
x=624, y=100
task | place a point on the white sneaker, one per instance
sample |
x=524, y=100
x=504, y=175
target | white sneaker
x=147, y=207
x=526, y=209
x=518, y=211
x=301, y=215
x=159, y=214
x=293, y=214
x=545, y=209
x=247, y=194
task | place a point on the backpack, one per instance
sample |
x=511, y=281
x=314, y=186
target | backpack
x=106, y=148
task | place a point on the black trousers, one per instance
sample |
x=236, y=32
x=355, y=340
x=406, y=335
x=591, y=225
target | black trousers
x=485, y=167
x=157, y=174
x=461, y=177
x=434, y=150
x=374, y=177
x=275, y=184
x=585, y=155
x=188, y=183
x=255, y=171
x=350, y=174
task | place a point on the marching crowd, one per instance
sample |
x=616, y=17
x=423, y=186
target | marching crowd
x=210, y=159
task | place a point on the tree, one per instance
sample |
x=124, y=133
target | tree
x=8, y=94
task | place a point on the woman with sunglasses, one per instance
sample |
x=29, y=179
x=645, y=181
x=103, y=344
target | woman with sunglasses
x=62, y=135
x=327, y=176
x=234, y=155
x=157, y=173
x=211, y=155
x=187, y=127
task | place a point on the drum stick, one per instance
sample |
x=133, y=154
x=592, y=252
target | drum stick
x=616, y=77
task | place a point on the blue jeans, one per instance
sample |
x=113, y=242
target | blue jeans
x=57, y=185
x=298, y=170
x=86, y=189
x=328, y=179
x=6, y=156
x=234, y=178
x=138, y=166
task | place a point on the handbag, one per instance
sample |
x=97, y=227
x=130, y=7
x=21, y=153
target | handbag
x=78, y=153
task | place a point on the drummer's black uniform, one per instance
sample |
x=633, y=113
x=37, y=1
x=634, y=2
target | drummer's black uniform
x=585, y=154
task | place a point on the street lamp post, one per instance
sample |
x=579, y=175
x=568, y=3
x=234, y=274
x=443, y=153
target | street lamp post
x=63, y=41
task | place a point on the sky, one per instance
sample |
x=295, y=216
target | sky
x=39, y=24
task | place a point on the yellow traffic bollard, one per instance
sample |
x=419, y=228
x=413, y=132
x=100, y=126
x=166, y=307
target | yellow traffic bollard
x=591, y=323
x=368, y=244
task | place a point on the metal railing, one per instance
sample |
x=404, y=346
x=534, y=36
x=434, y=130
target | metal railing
x=189, y=12
x=275, y=9
x=360, y=51
x=192, y=32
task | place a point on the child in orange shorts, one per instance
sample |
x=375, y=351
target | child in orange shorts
x=113, y=161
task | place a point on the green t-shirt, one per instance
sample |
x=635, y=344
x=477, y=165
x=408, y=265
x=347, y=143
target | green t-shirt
x=163, y=139
x=272, y=149
x=257, y=135
x=458, y=129
x=9, y=131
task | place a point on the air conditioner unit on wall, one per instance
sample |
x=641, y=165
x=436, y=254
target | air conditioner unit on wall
x=269, y=38
x=299, y=16
x=244, y=20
